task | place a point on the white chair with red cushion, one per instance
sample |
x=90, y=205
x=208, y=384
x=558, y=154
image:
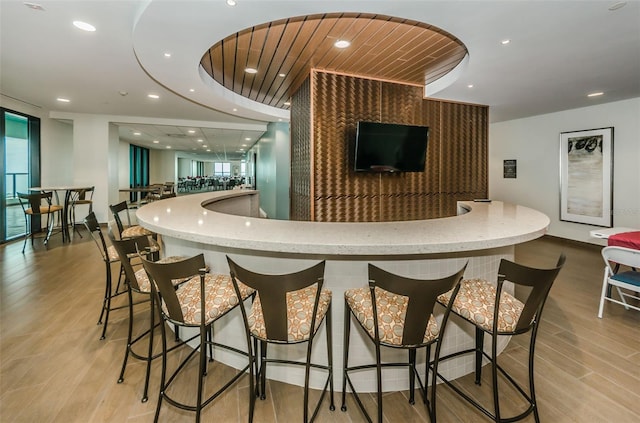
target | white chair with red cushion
x=625, y=282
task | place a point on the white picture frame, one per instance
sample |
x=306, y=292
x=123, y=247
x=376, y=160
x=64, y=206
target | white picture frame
x=586, y=177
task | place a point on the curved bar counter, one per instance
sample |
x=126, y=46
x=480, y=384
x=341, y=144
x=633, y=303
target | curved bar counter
x=227, y=223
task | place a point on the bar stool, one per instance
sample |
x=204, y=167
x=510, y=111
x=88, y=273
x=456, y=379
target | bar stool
x=131, y=231
x=476, y=303
x=138, y=282
x=197, y=303
x=79, y=197
x=397, y=312
x=109, y=256
x=287, y=309
x=32, y=205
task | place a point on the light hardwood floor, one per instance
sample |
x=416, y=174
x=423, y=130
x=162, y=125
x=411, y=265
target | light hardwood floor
x=53, y=368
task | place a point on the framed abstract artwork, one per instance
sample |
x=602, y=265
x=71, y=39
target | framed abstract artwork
x=586, y=176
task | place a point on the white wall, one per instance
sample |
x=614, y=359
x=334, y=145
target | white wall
x=95, y=160
x=162, y=167
x=535, y=142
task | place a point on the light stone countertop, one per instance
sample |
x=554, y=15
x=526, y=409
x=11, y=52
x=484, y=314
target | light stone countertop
x=484, y=226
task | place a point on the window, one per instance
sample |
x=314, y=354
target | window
x=197, y=168
x=19, y=167
x=243, y=169
x=138, y=169
x=222, y=169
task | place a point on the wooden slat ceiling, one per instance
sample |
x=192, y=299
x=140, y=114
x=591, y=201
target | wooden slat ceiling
x=285, y=51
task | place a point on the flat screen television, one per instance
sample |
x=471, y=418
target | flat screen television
x=390, y=147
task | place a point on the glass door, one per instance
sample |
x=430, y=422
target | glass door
x=20, y=168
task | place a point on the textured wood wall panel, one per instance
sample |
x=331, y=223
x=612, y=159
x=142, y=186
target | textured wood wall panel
x=339, y=103
x=456, y=166
x=431, y=113
x=300, y=208
x=464, y=152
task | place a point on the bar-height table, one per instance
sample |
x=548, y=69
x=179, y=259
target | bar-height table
x=66, y=236
x=138, y=192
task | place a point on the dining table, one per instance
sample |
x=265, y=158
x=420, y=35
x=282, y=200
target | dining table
x=67, y=190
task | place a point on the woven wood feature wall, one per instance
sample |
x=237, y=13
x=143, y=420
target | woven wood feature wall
x=456, y=166
x=300, y=208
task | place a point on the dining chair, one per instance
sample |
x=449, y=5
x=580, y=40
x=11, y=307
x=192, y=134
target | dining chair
x=493, y=311
x=79, y=197
x=287, y=309
x=109, y=257
x=129, y=231
x=398, y=312
x=38, y=205
x=197, y=303
x=138, y=283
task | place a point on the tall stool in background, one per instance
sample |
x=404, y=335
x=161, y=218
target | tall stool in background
x=109, y=256
x=79, y=197
x=39, y=204
x=197, y=303
x=397, y=312
x=288, y=309
x=498, y=313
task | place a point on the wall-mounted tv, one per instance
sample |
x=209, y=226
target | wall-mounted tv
x=390, y=147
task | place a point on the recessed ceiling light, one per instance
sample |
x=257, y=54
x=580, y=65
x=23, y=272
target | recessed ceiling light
x=137, y=133
x=282, y=75
x=199, y=140
x=247, y=139
x=505, y=42
x=287, y=103
x=342, y=44
x=470, y=86
x=205, y=146
x=208, y=151
x=156, y=142
x=34, y=6
x=244, y=145
x=231, y=2
x=617, y=5
x=167, y=55
x=168, y=146
x=596, y=94
x=154, y=96
x=123, y=93
x=84, y=26
x=251, y=70
x=191, y=90
x=235, y=110
x=63, y=100
x=191, y=131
